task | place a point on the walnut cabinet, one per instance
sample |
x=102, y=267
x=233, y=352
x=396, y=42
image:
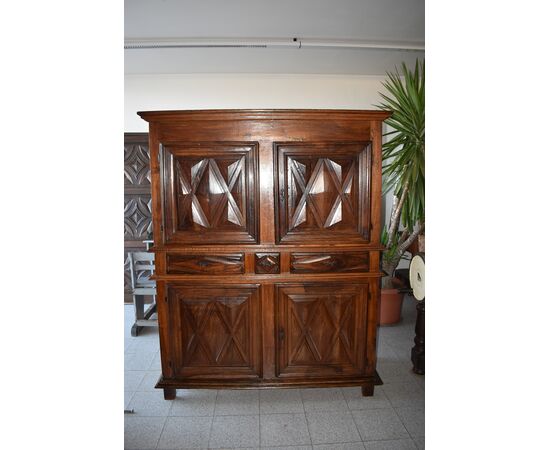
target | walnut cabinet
x=266, y=227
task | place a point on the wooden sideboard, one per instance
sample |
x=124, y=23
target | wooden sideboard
x=266, y=226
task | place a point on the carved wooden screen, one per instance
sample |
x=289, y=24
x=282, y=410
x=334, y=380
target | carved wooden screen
x=137, y=199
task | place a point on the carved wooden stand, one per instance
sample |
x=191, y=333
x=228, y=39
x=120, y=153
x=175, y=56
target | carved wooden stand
x=417, y=352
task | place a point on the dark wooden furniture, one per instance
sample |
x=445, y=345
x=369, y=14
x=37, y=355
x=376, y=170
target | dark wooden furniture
x=266, y=228
x=418, y=351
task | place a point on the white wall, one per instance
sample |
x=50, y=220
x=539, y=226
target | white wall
x=218, y=91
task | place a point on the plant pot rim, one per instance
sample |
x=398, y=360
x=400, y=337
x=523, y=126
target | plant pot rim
x=390, y=290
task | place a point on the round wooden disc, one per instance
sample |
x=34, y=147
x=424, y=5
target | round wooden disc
x=416, y=276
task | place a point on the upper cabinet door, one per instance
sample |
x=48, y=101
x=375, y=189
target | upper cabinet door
x=209, y=193
x=324, y=192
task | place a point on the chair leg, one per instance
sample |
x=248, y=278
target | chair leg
x=139, y=310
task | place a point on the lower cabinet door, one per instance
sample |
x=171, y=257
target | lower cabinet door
x=215, y=331
x=321, y=330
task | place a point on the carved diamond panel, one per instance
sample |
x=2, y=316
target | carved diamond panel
x=136, y=164
x=267, y=263
x=217, y=329
x=321, y=330
x=318, y=328
x=324, y=191
x=137, y=217
x=318, y=199
x=211, y=194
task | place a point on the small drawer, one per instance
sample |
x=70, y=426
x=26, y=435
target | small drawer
x=226, y=264
x=267, y=263
x=329, y=262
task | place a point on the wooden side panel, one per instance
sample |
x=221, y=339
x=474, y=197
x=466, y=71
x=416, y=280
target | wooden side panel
x=320, y=330
x=329, y=263
x=323, y=191
x=225, y=264
x=215, y=331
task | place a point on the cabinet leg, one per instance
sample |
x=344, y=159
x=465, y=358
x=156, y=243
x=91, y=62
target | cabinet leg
x=169, y=394
x=367, y=390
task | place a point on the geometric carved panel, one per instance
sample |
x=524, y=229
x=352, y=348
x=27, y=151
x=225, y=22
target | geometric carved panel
x=211, y=194
x=267, y=263
x=137, y=217
x=136, y=164
x=219, y=332
x=318, y=329
x=323, y=191
x=217, y=329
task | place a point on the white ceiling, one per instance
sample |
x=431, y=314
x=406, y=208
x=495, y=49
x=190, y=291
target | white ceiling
x=400, y=21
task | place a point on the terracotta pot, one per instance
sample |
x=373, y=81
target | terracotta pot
x=391, y=301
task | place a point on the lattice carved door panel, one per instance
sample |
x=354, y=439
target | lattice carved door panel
x=210, y=192
x=324, y=191
x=216, y=330
x=321, y=330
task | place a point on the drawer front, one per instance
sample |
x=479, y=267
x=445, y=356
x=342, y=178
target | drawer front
x=329, y=263
x=223, y=264
x=267, y=263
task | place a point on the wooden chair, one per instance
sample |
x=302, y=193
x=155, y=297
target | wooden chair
x=142, y=266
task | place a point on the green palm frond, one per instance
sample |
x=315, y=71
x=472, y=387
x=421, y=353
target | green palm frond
x=403, y=152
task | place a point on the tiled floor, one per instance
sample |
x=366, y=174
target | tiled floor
x=297, y=419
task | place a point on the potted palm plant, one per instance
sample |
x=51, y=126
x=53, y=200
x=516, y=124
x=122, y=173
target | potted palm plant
x=403, y=171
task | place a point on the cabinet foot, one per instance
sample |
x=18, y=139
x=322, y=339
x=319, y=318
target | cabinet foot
x=169, y=394
x=367, y=390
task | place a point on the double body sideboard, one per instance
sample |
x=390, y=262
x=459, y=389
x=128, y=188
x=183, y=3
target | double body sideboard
x=266, y=228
